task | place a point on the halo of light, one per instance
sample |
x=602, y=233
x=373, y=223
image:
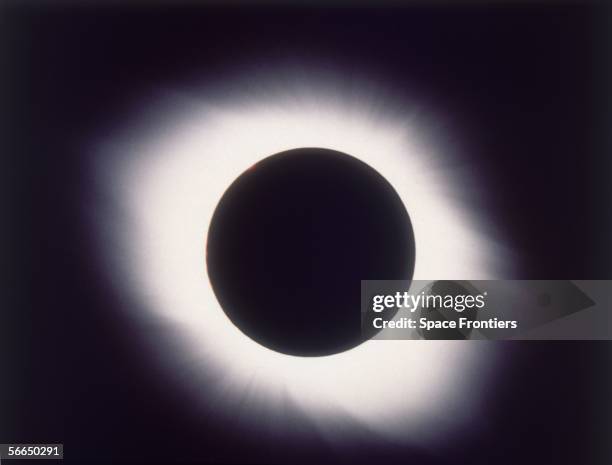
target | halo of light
x=165, y=174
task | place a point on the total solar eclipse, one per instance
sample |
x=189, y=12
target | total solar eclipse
x=292, y=238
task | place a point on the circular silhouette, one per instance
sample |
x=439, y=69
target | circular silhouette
x=292, y=238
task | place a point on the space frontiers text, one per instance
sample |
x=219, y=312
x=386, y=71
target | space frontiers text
x=490, y=309
x=423, y=302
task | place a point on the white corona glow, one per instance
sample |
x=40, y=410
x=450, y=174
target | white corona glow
x=166, y=177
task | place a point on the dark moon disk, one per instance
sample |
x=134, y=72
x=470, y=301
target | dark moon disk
x=291, y=240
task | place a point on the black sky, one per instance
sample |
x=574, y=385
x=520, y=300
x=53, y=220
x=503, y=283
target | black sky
x=523, y=82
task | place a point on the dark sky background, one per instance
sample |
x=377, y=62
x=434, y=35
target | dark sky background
x=526, y=82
